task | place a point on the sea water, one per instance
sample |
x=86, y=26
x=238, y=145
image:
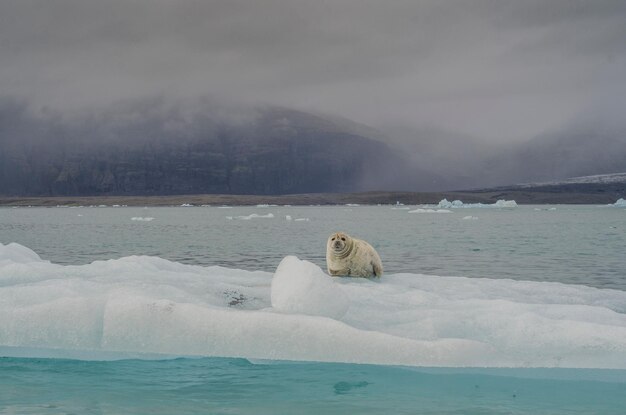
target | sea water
x=228, y=310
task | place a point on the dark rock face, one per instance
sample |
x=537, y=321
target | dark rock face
x=150, y=149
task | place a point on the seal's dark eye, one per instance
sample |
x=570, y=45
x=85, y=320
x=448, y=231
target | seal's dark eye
x=333, y=239
x=343, y=239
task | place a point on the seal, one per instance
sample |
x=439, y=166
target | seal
x=351, y=257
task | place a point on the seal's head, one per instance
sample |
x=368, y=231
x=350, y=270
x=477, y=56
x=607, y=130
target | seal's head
x=339, y=244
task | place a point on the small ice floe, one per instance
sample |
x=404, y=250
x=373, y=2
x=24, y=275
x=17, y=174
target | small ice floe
x=116, y=206
x=102, y=206
x=620, y=203
x=552, y=209
x=290, y=218
x=265, y=205
x=470, y=217
x=186, y=205
x=444, y=203
x=142, y=219
x=352, y=204
x=252, y=216
x=420, y=210
x=205, y=205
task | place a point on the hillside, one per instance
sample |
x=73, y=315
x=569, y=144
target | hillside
x=151, y=147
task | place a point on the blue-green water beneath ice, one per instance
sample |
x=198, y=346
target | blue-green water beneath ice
x=238, y=386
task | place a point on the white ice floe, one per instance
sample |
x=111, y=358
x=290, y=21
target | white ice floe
x=186, y=205
x=444, y=203
x=142, y=219
x=420, y=210
x=470, y=217
x=301, y=220
x=142, y=304
x=300, y=287
x=620, y=203
x=288, y=217
x=252, y=216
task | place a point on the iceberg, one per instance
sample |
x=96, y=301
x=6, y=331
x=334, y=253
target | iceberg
x=142, y=219
x=444, y=203
x=146, y=305
x=419, y=210
x=620, y=203
x=252, y=216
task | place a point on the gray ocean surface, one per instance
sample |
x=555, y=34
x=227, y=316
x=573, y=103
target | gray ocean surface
x=568, y=244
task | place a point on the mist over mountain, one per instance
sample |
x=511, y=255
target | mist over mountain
x=158, y=146
x=155, y=146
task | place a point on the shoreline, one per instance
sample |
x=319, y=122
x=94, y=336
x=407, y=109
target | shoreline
x=523, y=197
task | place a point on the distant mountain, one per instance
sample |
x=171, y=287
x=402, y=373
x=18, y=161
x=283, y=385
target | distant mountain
x=162, y=147
x=610, y=186
x=464, y=162
x=155, y=147
x=570, y=152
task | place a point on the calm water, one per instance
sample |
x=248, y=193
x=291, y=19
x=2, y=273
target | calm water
x=573, y=245
x=569, y=244
x=237, y=386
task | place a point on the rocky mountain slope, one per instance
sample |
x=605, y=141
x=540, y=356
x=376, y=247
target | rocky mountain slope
x=153, y=148
x=161, y=147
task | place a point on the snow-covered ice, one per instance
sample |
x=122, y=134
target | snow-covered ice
x=251, y=216
x=444, y=203
x=301, y=287
x=620, y=203
x=142, y=304
x=420, y=210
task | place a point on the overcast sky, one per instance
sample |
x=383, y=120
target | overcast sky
x=501, y=69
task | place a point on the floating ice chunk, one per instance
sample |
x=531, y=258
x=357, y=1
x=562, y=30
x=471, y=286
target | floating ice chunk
x=301, y=220
x=288, y=217
x=352, y=204
x=419, y=210
x=301, y=287
x=620, y=203
x=252, y=216
x=470, y=218
x=444, y=203
x=144, y=304
x=142, y=219
x=186, y=205
x=505, y=203
x=17, y=254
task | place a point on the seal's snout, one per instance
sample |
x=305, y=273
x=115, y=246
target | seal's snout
x=337, y=244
